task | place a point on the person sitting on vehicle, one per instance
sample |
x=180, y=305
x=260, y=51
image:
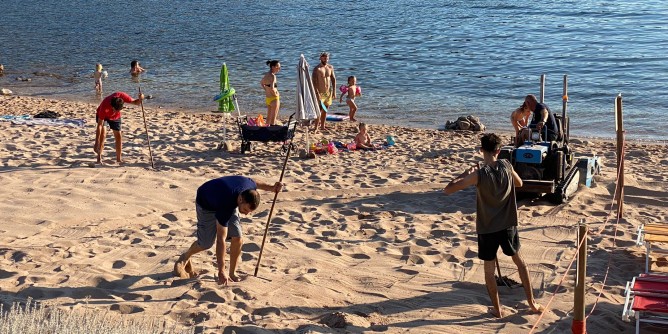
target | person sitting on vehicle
x=542, y=118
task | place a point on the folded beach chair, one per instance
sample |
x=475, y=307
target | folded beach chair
x=652, y=233
x=646, y=300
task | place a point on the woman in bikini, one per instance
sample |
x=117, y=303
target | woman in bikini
x=270, y=86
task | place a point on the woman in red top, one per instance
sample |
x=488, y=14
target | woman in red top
x=109, y=111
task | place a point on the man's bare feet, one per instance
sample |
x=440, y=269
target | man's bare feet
x=536, y=308
x=496, y=313
x=190, y=270
x=180, y=268
x=120, y=163
x=234, y=278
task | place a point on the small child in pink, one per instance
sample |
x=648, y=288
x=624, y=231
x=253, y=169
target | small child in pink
x=351, y=91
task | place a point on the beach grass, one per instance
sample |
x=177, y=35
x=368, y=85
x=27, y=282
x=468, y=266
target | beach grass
x=36, y=318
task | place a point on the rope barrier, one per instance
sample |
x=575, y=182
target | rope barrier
x=546, y=307
x=614, y=240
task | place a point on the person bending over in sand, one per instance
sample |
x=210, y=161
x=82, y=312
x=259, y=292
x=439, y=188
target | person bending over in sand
x=496, y=218
x=218, y=204
x=363, y=140
x=351, y=91
x=324, y=82
x=519, y=118
x=542, y=118
x=135, y=68
x=270, y=86
x=109, y=112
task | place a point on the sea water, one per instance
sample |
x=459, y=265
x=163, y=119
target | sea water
x=420, y=63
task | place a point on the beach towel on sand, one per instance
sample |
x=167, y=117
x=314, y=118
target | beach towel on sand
x=50, y=121
x=13, y=117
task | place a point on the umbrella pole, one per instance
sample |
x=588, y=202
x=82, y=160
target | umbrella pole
x=224, y=130
x=308, y=144
x=271, y=211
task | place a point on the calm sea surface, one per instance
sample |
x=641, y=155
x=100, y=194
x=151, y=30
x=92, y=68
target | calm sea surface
x=419, y=63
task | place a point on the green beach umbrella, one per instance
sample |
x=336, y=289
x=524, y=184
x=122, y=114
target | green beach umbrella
x=226, y=100
x=226, y=97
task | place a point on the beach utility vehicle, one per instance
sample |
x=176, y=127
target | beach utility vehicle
x=550, y=168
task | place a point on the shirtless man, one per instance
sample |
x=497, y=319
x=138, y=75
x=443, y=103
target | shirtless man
x=324, y=82
x=519, y=118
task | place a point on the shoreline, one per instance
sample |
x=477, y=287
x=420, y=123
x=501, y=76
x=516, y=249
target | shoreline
x=285, y=114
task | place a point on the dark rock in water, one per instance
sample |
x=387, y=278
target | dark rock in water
x=148, y=97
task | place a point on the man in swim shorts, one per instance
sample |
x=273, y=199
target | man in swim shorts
x=496, y=216
x=218, y=204
x=324, y=82
x=109, y=112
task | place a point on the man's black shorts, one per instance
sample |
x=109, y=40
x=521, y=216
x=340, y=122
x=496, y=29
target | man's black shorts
x=113, y=124
x=488, y=244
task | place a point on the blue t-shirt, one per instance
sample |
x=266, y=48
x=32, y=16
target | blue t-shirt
x=220, y=195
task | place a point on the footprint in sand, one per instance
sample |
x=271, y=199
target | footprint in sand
x=118, y=264
x=169, y=216
x=313, y=245
x=267, y=311
x=408, y=271
x=333, y=252
x=243, y=294
x=422, y=243
x=126, y=308
x=136, y=296
x=360, y=256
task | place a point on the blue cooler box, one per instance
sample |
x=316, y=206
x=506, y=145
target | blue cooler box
x=531, y=154
x=588, y=167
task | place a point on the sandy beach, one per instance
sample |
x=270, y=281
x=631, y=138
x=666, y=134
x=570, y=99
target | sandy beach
x=368, y=234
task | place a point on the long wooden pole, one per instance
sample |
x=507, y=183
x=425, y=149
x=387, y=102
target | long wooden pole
x=619, y=127
x=542, y=88
x=148, y=139
x=271, y=211
x=579, y=326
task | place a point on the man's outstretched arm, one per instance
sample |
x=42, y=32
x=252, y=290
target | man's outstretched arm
x=463, y=181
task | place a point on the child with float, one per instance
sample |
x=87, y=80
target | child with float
x=351, y=91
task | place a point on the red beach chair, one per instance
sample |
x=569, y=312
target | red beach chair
x=647, y=300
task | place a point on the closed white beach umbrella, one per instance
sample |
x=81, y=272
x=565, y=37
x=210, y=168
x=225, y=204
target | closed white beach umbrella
x=307, y=103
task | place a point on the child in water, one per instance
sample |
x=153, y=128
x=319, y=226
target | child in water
x=362, y=139
x=351, y=91
x=98, y=78
x=135, y=68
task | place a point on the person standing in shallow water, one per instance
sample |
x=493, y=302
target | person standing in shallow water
x=135, y=68
x=218, y=204
x=270, y=86
x=496, y=217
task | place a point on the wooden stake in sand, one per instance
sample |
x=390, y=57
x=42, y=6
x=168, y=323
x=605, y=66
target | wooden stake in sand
x=148, y=139
x=271, y=211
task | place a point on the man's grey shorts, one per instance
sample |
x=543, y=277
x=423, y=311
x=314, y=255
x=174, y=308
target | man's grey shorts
x=206, y=226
